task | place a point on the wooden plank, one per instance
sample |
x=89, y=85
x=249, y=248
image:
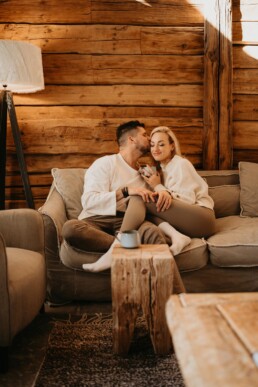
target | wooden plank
x=98, y=39
x=67, y=69
x=245, y=135
x=121, y=113
x=23, y=11
x=172, y=40
x=43, y=163
x=103, y=128
x=245, y=81
x=245, y=57
x=161, y=13
x=127, y=95
x=211, y=81
x=150, y=62
x=225, y=85
x=42, y=179
x=148, y=77
x=108, y=39
x=245, y=107
x=75, y=69
x=101, y=12
x=245, y=33
x=17, y=193
x=245, y=155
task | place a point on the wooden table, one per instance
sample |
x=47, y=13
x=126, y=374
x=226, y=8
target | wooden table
x=142, y=280
x=213, y=337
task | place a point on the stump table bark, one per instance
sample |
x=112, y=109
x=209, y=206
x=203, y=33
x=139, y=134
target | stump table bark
x=142, y=280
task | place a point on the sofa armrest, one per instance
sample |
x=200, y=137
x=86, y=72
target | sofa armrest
x=22, y=228
x=54, y=208
x=54, y=217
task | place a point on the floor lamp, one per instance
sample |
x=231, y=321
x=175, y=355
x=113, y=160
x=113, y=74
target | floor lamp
x=21, y=71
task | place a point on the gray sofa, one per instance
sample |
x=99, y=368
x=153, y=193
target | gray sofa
x=226, y=262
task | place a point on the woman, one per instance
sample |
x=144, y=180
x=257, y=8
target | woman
x=181, y=189
x=183, y=209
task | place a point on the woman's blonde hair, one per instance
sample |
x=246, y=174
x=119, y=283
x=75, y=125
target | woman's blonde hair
x=171, y=136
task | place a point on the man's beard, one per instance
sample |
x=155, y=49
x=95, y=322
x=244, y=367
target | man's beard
x=143, y=149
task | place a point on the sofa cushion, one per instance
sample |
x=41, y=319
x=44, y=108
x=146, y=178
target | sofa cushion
x=194, y=256
x=73, y=257
x=220, y=177
x=235, y=242
x=69, y=183
x=248, y=174
x=226, y=200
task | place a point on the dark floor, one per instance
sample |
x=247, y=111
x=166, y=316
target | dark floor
x=29, y=346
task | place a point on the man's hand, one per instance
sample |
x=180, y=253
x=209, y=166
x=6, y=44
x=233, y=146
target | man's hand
x=147, y=195
x=164, y=201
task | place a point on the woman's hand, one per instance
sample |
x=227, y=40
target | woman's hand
x=146, y=194
x=164, y=201
x=153, y=180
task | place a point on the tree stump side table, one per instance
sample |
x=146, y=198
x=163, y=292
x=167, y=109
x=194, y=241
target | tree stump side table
x=142, y=280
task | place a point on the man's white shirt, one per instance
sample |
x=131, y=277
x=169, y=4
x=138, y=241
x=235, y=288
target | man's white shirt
x=102, y=179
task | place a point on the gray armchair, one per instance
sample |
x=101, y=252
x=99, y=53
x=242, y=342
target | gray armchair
x=22, y=274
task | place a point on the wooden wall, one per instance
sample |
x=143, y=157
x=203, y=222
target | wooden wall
x=105, y=62
x=245, y=80
x=110, y=61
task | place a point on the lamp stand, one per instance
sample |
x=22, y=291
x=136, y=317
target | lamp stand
x=6, y=104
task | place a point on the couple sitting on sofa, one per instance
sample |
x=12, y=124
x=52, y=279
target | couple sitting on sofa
x=118, y=193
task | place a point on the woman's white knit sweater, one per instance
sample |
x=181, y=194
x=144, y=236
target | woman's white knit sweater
x=184, y=183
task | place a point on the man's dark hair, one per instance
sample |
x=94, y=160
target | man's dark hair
x=125, y=128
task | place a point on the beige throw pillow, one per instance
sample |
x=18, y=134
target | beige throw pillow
x=248, y=175
x=226, y=200
x=69, y=183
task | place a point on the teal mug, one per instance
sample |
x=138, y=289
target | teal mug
x=129, y=239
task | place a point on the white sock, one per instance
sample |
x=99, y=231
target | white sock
x=179, y=241
x=103, y=263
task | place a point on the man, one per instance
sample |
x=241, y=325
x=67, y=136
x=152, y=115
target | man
x=108, y=184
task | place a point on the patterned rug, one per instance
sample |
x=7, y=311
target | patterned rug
x=80, y=354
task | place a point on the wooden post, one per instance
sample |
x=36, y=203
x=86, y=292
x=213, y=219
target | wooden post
x=211, y=82
x=218, y=79
x=225, y=86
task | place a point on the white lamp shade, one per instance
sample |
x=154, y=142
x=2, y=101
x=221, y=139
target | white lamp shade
x=21, y=69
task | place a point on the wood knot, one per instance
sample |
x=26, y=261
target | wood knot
x=144, y=271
